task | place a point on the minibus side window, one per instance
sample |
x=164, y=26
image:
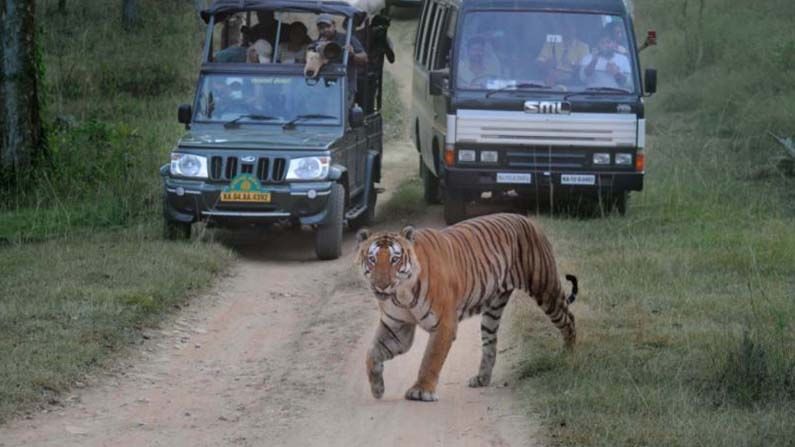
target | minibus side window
x=420, y=27
x=438, y=25
x=445, y=40
x=425, y=43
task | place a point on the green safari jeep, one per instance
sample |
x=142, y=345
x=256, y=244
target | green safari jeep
x=265, y=144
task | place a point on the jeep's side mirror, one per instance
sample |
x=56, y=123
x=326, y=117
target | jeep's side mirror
x=650, y=81
x=356, y=116
x=439, y=82
x=184, y=113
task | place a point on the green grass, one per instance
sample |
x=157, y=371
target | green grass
x=68, y=304
x=685, y=317
x=406, y=203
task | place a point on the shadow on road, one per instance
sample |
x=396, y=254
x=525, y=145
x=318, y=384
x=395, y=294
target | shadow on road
x=278, y=244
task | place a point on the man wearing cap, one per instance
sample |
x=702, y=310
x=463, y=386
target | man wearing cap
x=327, y=32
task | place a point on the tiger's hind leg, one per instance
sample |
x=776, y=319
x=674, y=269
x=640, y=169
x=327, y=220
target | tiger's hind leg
x=489, y=325
x=391, y=339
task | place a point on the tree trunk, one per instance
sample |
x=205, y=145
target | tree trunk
x=62, y=6
x=20, y=120
x=129, y=14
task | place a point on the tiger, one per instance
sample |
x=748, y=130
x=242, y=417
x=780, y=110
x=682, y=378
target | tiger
x=435, y=278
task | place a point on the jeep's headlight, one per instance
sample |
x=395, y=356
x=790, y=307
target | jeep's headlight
x=308, y=168
x=188, y=165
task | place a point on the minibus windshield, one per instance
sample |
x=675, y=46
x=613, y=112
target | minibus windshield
x=553, y=51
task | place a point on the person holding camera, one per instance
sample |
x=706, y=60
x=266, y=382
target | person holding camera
x=606, y=66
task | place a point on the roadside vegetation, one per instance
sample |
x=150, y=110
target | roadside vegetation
x=82, y=262
x=686, y=314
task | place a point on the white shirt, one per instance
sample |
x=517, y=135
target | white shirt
x=601, y=77
x=291, y=57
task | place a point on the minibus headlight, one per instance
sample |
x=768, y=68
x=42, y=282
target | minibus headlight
x=624, y=159
x=466, y=155
x=601, y=158
x=488, y=156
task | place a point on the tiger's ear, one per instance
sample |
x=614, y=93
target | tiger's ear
x=362, y=235
x=408, y=232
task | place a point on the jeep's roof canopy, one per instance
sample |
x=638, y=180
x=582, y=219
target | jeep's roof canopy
x=222, y=9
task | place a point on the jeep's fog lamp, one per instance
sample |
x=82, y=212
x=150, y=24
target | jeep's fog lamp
x=308, y=168
x=488, y=156
x=188, y=165
x=601, y=159
x=624, y=159
x=466, y=155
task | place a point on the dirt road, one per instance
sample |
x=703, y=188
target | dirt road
x=274, y=355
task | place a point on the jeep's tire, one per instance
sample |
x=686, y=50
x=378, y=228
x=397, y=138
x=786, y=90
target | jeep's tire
x=367, y=218
x=430, y=185
x=328, y=236
x=176, y=231
x=455, y=208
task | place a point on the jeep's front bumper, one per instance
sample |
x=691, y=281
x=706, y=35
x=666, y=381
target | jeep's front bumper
x=191, y=201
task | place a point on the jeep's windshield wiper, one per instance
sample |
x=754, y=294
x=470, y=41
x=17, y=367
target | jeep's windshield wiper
x=514, y=87
x=290, y=124
x=234, y=122
x=590, y=90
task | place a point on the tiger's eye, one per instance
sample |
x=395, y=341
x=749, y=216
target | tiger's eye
x=395, y=259
x=371, y=259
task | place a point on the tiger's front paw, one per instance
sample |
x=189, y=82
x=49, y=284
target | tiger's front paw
x=376, y=377
x=479, y=381
x=417, y=393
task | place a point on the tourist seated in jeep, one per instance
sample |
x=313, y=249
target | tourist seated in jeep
x=293, y=51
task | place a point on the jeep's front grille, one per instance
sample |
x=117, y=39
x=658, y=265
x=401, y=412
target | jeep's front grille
x=231, y=167
x=266, y=169
x=216, y=167
x=279, y=165
x=262, y=168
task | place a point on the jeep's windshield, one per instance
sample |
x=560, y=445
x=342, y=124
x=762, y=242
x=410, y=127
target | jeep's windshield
x=224, y=98
x=560, y=51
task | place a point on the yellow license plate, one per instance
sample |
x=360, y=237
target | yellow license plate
x=250, y=197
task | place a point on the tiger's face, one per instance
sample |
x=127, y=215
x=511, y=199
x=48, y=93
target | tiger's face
x=387, y=260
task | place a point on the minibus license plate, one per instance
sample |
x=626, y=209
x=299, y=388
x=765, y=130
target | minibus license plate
x=577, y=179
x=514, y=177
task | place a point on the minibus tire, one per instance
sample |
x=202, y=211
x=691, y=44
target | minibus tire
x=455, y=208
x=430, y=185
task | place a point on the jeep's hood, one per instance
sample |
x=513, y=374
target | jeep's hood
x=312, y=138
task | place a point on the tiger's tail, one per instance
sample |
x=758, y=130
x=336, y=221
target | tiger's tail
x=574, y=289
